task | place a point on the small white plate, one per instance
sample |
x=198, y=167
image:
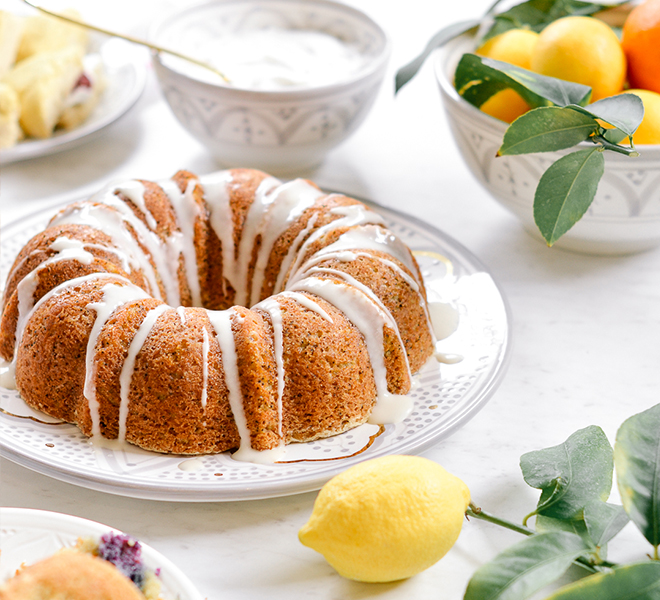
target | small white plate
x=125, y=70
x=445, y=397
x=28, y=535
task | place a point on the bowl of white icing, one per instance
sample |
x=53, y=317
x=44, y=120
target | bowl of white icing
x=301, y=75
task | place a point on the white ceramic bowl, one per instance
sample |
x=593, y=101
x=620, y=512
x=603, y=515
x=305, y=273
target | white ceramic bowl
x=279, y=131
x=625, y=214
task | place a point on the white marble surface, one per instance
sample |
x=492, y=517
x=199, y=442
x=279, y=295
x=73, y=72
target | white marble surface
x=584, y=329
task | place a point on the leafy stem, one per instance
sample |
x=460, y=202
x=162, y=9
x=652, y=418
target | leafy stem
x=575, y=523
x=478, y=513
x=607, y=145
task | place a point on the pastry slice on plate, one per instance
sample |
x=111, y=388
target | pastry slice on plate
x=43, y=33
x=85, y=95
x=10, y=111
x=43, y=83
x=11, y=31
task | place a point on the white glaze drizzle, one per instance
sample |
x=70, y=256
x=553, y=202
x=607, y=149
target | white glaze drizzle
x=104, y=218
x=371, y=237
x=235, y=262
x=191, y=464
x=205, y=367
x=7, y=375
x=128, y=368
x=347, y=247
x=292, y=252
x=67, y=250
x=64, y=243
x=369, y=320
x=307, y=302
x=66, y=247
x=272, y=307
x=221, y=321
x=134, y=191
x=165, y=266
x=26, y=288
x=367, y=291
x=181, y=311
x=27, y=307
x=216, y=195
x=350, y=216
x=187, y=211
x=114, y=296
x=281, y=207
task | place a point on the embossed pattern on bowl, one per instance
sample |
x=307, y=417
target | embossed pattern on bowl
x=279, y=131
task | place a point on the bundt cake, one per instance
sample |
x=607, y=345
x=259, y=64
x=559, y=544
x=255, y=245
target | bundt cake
x=129, y=317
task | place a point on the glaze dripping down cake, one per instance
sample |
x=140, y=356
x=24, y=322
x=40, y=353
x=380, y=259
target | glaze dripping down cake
x=202, y=314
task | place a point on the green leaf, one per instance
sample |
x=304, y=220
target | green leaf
x=571, y=474
x=624, y=111
x=547, y=129
x=575, y=526
x=407, y=72
x=536, y=14
x=604, y=521
x=640, y=581
x=599, y=523
x=565, y=192
x=477, y=78
x=637, y=459
x=526, y=567
x=614, y=136
x=533, y=14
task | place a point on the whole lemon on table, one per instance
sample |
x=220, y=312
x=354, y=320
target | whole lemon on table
x=387, y=518
x=514, y=47
x=582, y=50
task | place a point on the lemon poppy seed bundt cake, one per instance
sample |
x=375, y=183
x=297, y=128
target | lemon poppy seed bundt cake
x=202, y=314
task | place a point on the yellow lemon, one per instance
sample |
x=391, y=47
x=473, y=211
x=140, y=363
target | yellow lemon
x=649, y=130
x=387, y=518
x=506, y=106
x=582, y=50
x=514, y=47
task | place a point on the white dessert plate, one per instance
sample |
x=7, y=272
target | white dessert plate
x=28, y=535
x=445, y=397
x=125, y=68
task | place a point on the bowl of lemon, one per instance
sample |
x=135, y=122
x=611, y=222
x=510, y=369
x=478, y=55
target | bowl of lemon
x=543, y=114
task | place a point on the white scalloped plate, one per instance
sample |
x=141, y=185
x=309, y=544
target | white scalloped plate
x=125, y=71
x=28, y=535
x=445, y=397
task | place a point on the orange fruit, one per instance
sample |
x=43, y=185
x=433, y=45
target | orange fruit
x=514, y=47
x=582, y=50
x=641, y=43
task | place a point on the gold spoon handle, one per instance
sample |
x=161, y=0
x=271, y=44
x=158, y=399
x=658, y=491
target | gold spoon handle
x=129, y=38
